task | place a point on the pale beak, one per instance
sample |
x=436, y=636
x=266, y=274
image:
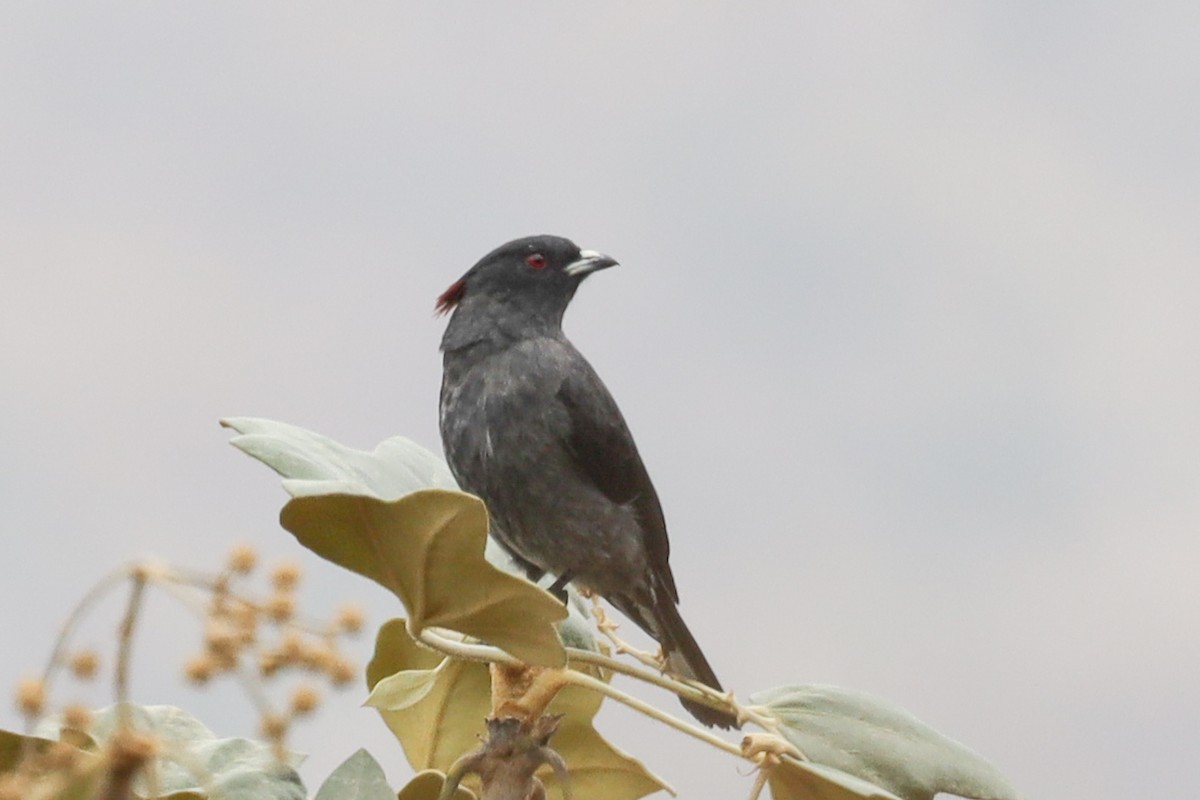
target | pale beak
x=588, y=262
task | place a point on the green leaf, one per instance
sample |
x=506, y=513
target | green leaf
x=448, y=721
x=405, y=688
x=14, y=747
x=359, y=777
x=806, y=780
x=81, y=782
x=596, y=768
x=880, y=743
x=427, y=785
x=427, y=548
x=315, y=465
x=194, y=763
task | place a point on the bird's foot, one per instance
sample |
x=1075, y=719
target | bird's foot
x=559, y=587
x=603, y=621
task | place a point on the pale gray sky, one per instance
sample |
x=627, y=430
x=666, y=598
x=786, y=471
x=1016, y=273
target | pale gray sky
x=905, y=326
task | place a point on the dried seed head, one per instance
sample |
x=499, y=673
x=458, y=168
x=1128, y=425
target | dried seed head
x=274, y=726
x=61, y=757
x=129, y=750
x=269, y=662
x=244, y=617
x=342, y=672
x=305, y=699
x=285, y=576
x=316, y=655
x=350, y=618
x=220, y=598
x=199, y=669
x=77, y=717
x=281, y=607
x=31, y=696
x=220, y=638
x=242, y=559
x=291, y=648
x=85, y=663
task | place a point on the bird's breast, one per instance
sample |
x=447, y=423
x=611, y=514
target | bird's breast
x=499, y=419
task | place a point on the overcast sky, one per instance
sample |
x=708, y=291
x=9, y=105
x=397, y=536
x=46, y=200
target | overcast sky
x=906, y=328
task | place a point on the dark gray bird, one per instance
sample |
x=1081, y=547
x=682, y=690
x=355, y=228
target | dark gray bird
x=528, y=426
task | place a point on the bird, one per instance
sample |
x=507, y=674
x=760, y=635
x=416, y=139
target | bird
x=528, y=427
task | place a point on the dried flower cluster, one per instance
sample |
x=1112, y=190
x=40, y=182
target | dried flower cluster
x=258, y=639
x=268, y=636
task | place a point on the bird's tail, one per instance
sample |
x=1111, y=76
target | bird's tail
x=684, y=657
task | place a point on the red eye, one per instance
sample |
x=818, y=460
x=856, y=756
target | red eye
x=537, y=261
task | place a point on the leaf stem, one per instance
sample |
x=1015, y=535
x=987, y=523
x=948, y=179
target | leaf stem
x=760, y=780
x=489, y=654
x=587, y=681
x=468, y=651
x=691, y=691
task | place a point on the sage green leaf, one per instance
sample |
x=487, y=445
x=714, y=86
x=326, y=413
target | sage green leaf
x=194, y=763
x=359, y=777
x=880, y=743
x=314, y=464
x=427, y=548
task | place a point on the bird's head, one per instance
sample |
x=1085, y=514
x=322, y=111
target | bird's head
x=522, y=285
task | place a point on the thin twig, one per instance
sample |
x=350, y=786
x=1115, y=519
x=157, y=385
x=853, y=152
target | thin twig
x=77, y=614
x=200, y=581
x=125, y=643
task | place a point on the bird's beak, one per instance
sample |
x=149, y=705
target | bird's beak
x=588, y=262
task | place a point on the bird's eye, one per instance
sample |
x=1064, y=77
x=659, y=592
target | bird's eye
x=537, y=261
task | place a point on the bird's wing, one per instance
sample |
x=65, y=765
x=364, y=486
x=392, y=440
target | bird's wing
x=603, y=451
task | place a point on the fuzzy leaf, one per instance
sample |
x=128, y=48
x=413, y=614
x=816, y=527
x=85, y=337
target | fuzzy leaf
x=880, y=743
x=427, y=548
x=449, y=720
x=359, y=777
x=196, y=764
x=314, y=464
